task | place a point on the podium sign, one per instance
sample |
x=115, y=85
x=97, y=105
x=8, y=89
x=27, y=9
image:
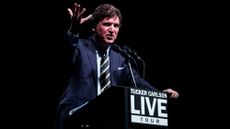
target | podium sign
x=122, y=108
x=148, y=107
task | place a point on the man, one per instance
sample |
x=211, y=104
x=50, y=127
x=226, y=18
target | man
x=85, y=82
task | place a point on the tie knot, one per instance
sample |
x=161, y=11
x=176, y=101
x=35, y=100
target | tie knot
x=102, y=52
x=104, y=55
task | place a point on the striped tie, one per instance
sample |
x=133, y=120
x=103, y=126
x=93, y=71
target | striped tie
x=104, y=73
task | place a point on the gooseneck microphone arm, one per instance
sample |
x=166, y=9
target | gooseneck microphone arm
x=134, y=53
x=131, y=72
x=128, y=57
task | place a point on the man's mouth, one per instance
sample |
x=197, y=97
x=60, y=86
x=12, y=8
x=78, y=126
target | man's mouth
x=110, y=37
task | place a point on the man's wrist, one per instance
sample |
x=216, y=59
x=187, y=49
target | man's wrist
x=72, y=34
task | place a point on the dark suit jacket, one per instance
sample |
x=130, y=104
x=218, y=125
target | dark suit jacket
x=82, y=85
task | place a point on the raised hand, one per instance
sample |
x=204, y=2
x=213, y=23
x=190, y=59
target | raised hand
x=76, y=17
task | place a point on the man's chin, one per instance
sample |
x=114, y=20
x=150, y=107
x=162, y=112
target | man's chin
x=109, y=41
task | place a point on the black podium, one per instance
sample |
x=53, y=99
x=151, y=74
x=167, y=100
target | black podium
x=123, y=108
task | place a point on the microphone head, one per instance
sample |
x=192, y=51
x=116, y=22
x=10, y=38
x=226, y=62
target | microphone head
x=127, y=49
x=118, y=49
x=131, y=51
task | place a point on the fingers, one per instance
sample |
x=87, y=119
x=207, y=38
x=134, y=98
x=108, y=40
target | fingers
x=77, y=10
x=73, y=11
x=173, y=93
x=82, y=12
x=76, y=13
x=70, y=12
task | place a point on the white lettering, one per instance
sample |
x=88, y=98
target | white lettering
x=138, y=92
x=133, y=110
x=161, y=107
x=146, y=103
x=157, y=94
x=151, y=108
x=142, y=105
x=149, y=120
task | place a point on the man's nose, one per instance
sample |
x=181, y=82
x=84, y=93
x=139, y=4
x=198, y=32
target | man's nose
x=111, y=28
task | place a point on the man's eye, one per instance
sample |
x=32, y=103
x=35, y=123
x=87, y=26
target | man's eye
x=107, y=24
x=117, y=25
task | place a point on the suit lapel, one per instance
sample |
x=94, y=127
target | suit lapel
x=113, y=61
x=114, y=64
x=92, y=59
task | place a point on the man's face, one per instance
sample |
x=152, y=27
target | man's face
x=107, y=30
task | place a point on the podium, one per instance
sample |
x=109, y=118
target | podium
x=122, y=108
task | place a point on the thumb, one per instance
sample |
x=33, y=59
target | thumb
x=86, y=18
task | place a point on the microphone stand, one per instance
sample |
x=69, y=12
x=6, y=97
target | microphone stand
x=143, y=65
x=132, y=75
x=134, y=53
x=128, y=57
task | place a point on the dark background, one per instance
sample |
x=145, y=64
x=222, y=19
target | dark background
x=181, y=43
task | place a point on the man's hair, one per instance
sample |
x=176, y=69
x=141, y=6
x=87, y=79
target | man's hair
x=103, y=11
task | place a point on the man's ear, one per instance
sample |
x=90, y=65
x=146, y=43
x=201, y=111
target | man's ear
x=93, y=29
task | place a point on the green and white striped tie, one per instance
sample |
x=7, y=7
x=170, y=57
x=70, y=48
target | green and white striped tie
x=104, y=73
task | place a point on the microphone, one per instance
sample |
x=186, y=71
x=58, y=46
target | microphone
x=118, y=49
x=134, y=53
